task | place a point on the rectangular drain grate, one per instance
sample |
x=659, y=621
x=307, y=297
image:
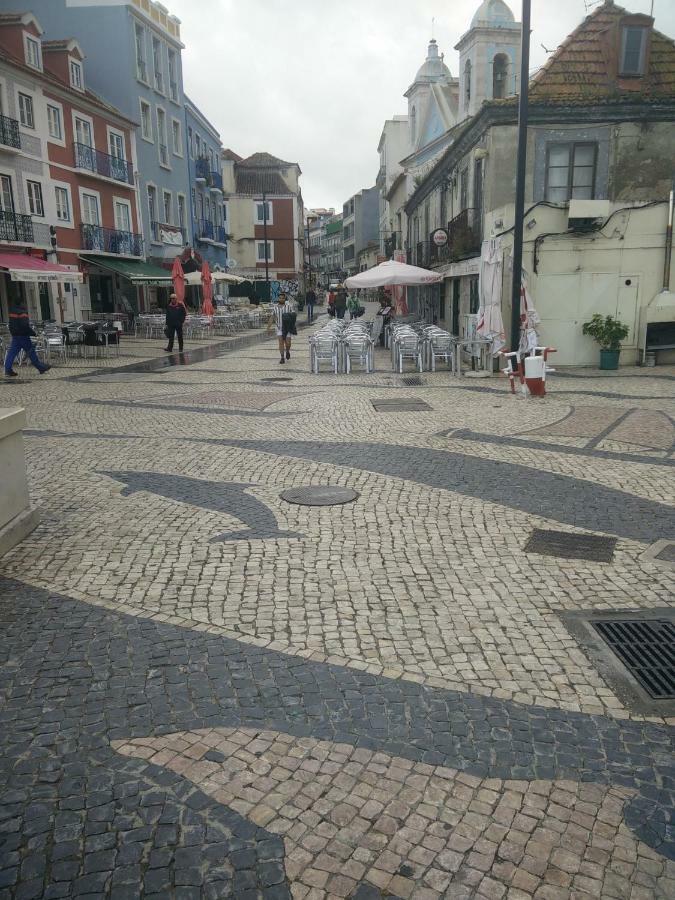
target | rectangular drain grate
x=647, y=650
x=412, y=381
x=568, y=545
x=402, y=404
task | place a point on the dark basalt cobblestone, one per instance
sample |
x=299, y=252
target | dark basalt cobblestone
x=78, y=819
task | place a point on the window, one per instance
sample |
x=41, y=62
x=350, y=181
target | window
x=146, y=121
x=116, y=145
x=141, y=67
x=167, y=207
x=152, y=207
x=54, y=122
x=500, y=68
x=122, y=216
x=83, y=132
x=177, y=143
x=570, y=172
x=35, y=204
x=6, y=194
x=260, y=251
x=194, y=203
x=181, y=211
x=192, y=156
x=474, y=297
x=633, y=50
x=157, y=63
x=90, y=213
x=467, y=83
x=62, y=204
x=76, y=79
x=260, y=213
x=33, y=57
x=161, y=137
x=413, y=126
x=26, y=111
x=173, y=82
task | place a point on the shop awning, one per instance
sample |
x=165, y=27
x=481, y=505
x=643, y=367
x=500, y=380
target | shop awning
x=22, y=267
x=134, y=270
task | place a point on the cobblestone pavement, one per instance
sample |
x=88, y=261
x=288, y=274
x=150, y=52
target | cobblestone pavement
x=210, y=692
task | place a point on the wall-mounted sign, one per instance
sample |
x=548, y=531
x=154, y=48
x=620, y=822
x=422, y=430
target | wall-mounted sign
x=439, y=237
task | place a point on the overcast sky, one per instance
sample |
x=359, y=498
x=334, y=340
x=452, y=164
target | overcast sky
x=312, y=81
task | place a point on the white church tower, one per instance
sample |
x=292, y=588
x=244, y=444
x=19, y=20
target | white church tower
x=432, y=104
x=489, y=57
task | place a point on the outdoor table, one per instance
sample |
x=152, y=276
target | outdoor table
x=484, y=346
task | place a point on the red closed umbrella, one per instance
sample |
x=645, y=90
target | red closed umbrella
x=178, y=279
x=207, y=290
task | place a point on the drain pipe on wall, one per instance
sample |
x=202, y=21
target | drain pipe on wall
x=669, y=241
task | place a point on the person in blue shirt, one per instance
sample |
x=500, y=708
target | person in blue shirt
x=21, y=332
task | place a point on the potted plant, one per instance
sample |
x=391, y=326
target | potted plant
x=608, y=332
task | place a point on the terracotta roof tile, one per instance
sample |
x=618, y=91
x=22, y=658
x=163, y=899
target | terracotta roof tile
x=264, y=160
x=255, y=181
x=584, y=67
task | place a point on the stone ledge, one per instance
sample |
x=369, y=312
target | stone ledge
x=18, y=528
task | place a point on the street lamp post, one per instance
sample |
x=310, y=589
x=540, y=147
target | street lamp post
x=267, y=269
x=523, y=110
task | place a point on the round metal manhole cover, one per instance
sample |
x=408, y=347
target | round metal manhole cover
x=319, y=495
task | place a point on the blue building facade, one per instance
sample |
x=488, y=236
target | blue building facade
x=208, y=210
x=137, y=49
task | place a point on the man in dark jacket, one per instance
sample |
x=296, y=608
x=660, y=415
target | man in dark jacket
x=21, y=331
x=341, y=302
x=175, y=316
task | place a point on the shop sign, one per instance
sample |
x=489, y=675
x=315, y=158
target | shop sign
x=439, y=237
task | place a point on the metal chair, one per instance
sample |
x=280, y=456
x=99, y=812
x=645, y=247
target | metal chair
x=359, y=349
x=409, y=347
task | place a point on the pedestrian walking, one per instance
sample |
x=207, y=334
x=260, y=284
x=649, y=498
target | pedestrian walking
x=310, y=300
x=340, y=302
x=21, y=332
x=284, y=316
x=353, y=306
x=175, y=317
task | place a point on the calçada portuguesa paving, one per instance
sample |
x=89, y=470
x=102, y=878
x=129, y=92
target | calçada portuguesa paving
x=210, y=692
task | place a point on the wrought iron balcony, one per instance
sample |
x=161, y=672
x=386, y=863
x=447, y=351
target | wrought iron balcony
x=202, y=169
x=215, y=181
x=9, y=133
x=102, y=163
x=207, y=231
x=110, y=240
x=16, y=227
x=464, y=241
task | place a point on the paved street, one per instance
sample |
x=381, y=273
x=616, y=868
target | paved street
x=208, y=691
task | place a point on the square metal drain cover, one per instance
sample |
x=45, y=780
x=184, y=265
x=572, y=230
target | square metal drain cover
x=567, y=545
x=647, y=650
x=412, y=381
x=400, y=404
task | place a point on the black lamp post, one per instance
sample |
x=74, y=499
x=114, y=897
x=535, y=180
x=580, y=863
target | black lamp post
x=523, y=110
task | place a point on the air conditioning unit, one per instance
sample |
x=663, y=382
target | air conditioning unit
x=585, y=215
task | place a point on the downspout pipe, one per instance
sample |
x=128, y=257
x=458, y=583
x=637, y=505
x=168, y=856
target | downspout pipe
x=669, y=241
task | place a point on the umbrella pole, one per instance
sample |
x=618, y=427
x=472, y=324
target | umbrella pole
x=523, y=111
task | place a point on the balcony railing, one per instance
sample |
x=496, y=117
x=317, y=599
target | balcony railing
x=202, y=168
x=110, y=240
x=9, y=132
x=216, y=181
x=16, y=227
x=207, y=231
x=104, y=164
x=464, y=240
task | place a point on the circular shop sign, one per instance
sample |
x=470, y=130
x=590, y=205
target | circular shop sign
x=440, y=237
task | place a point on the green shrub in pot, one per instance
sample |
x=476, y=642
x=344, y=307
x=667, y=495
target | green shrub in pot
x=608, y=332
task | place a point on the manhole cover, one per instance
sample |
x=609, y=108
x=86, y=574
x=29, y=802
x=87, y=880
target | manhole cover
x=319, y=495
x=647, y=650
x=278, y=378
x=571, y=546
x=412, y=381
x=400, y=404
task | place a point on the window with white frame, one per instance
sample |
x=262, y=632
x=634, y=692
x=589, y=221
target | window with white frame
x=141, y=65
x=122, y=216
x=190, y=147
x=35, y=203
x=177, y=138
x=157, y=64
x=161, y=137
x=116, y=142
x=54, y=122
x=152, y=208
x=181, y=211
x=633, y=50
x=570, y=171
x=33, y=52
x=62, y=204
x=26, y=114
x=6, y=194
x=90, y=209
x=173, y=78
x=260, y=251
x=260, y=212
x=83, y=134
x=167, y=207
x=76, y=79
x=146, y=121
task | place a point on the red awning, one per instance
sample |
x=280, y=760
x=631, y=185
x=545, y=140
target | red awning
x=22, y=267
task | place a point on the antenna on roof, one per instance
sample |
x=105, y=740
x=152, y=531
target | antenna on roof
x=433, y=24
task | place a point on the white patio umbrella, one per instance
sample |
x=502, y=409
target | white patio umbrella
x=227, y=277
x=392, y=273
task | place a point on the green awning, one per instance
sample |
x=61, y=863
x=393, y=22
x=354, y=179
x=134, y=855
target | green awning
x=134, y=270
